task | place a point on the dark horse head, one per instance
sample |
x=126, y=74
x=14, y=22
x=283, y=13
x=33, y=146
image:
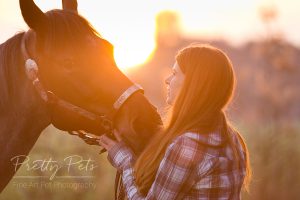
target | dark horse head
x=77, y=65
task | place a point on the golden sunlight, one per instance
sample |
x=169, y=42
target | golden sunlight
x=130, y=29
x=130, y=53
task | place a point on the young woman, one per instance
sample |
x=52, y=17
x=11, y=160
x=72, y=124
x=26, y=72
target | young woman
x=199, y=155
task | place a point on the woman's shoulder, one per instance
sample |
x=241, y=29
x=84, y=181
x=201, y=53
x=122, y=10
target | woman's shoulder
x=186, y=140
x=188, y=153
x=194, y=143
x=212, y=139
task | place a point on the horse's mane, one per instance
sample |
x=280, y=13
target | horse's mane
x=66, y=28
x=10, y=71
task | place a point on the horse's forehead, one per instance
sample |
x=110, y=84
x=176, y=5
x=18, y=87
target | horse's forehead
x=86, y=43
x=71, y=44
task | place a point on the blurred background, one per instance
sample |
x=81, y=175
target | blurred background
x=262, y=38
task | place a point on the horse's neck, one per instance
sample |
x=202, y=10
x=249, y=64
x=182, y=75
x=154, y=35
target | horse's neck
x=19, y=135
x=20, y=126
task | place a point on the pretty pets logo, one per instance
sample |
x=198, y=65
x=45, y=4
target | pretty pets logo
x=51, y=168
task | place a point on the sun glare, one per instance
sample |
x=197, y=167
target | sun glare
x=129, y=54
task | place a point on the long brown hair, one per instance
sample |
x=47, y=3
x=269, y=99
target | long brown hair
x=208, y=87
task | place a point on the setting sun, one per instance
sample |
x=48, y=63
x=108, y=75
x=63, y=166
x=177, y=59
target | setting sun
x=128, y=55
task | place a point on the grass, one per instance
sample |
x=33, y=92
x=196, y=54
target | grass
x=274, y=153
x=275, y=159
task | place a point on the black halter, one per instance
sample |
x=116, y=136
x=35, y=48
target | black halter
x=104, y=120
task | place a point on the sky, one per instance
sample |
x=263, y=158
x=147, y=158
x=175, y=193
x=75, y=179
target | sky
x=130, y=25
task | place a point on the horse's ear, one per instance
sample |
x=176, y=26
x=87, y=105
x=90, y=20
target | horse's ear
x=33, y=16
x=70, y=5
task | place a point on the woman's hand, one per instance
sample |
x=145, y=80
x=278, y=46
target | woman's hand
x=118, y=154
x=107, y=142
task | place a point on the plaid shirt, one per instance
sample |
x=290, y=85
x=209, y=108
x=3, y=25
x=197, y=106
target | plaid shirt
x=194, y=166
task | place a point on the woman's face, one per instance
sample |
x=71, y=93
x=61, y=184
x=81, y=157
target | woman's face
x=174, y=83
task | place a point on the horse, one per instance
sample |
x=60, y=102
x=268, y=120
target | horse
x=62, y=72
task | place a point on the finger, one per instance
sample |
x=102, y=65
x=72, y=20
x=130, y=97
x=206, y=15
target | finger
x=109, y=142
x=102, y=151
x=117, y=135
x=102, y=142
x=105, y=139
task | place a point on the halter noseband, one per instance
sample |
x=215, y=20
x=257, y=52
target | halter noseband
x=106, y=122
